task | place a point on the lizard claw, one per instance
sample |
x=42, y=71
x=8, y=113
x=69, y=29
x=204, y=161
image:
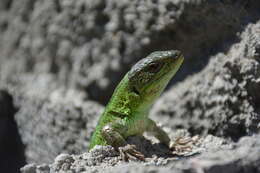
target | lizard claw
x=183, y=146
x=129, y=152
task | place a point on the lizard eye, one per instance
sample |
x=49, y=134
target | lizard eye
x=154, y=67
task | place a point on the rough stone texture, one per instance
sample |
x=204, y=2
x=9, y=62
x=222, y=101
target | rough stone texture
x=243, y=157
x=224, y=98
x=56, y=56
x=53, y=126
x=91, y=44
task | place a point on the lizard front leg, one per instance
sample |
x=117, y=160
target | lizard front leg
x=112, y=133
x=158, y=132
x=181, y=146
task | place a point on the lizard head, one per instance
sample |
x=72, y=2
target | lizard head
x=149, y=76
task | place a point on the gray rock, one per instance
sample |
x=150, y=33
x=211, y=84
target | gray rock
x=243, y=157
x=223, y=99
x=29, y=168
x=60, y=124
x=91, y=44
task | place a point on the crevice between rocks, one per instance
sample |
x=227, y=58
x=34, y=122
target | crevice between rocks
x=12, y=155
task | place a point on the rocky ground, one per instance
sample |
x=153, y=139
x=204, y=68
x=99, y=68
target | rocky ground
x=60, y=61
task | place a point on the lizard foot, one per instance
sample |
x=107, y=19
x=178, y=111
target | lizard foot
x=183, y=146
x=129, y=152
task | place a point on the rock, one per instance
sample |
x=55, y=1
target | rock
x=223, y=99
x=60, y=124
x=30, y=168
x=243, y=157
x=92, y=44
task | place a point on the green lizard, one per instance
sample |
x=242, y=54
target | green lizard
x=127, y=111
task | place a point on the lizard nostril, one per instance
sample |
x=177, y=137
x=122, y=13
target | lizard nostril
x=174, y=54
x=177, y=54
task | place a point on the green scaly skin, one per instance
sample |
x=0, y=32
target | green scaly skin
x=127, y=111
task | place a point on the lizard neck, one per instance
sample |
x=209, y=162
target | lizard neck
x=127, y=102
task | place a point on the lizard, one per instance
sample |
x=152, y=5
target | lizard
x=126, y=113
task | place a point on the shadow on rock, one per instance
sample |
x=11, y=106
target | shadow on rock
x=149, y=149
x=11, y=147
